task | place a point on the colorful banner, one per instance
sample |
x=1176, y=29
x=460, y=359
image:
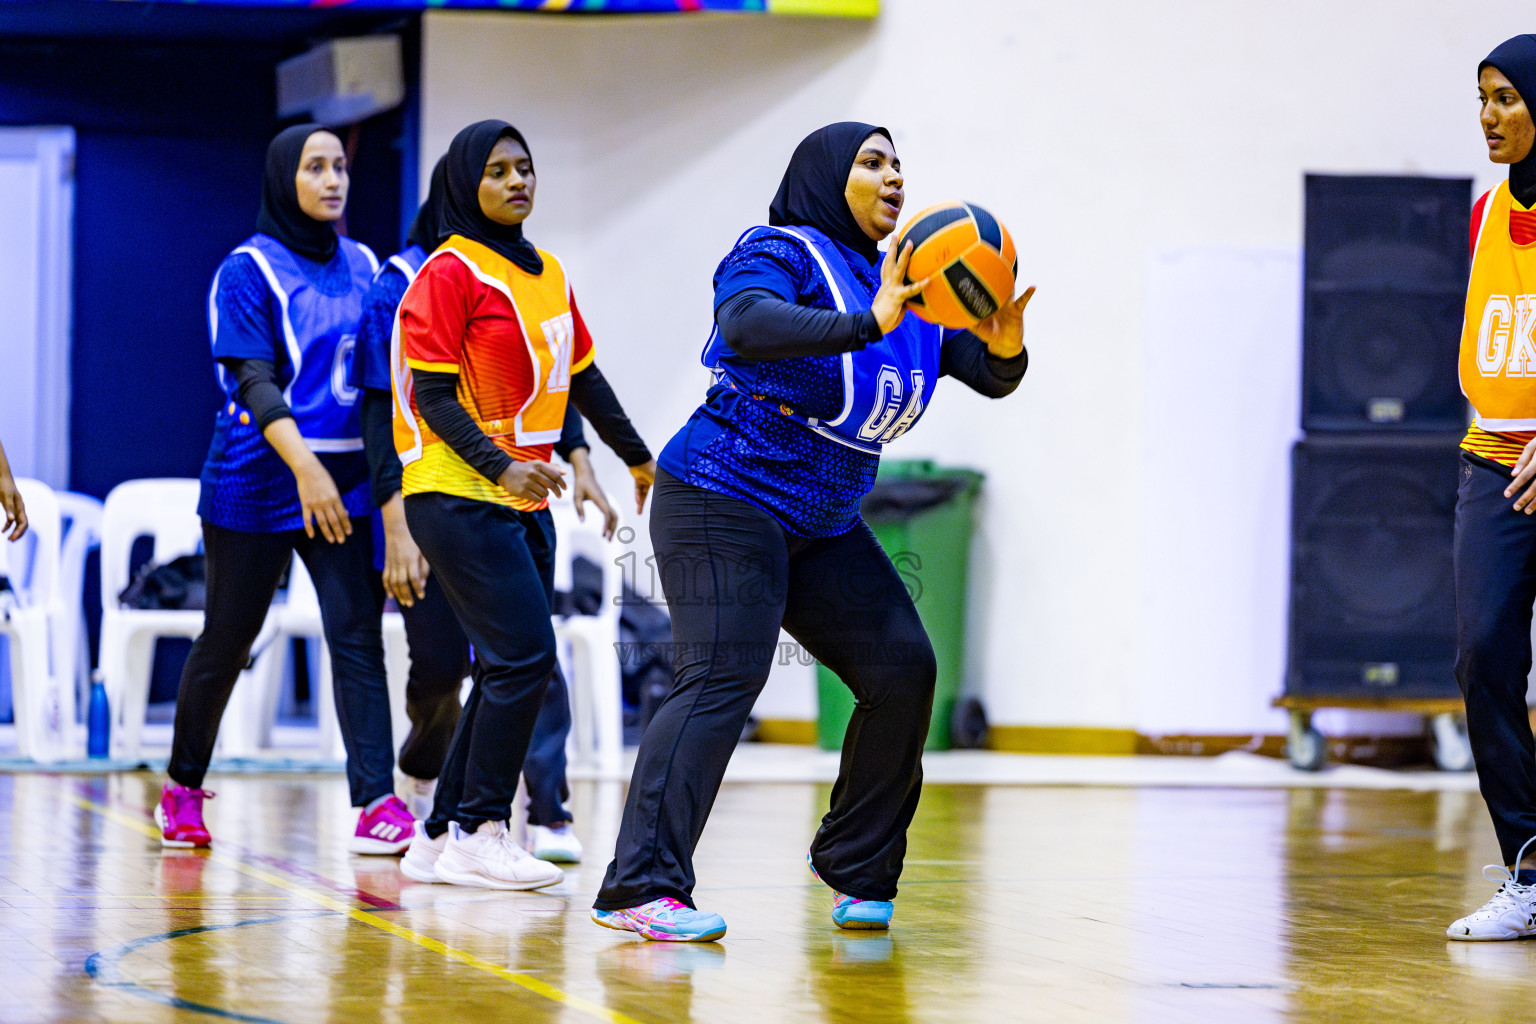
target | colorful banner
x=808, y=8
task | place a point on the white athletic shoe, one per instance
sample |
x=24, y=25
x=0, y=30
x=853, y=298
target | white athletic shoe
x=490, y=858
x=1511, y=914
x=558, y=845
x=420, y=860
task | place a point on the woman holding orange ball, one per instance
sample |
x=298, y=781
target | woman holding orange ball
x=756, y=525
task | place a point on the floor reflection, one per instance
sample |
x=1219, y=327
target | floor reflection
x=1018, y=904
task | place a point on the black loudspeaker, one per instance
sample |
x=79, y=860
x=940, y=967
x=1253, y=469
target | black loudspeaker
x=1385, y=285
x=1373, y=612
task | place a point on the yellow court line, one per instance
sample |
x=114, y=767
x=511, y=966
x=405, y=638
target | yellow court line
x=532, y=984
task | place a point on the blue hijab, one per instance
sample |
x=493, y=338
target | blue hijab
x=814, y=186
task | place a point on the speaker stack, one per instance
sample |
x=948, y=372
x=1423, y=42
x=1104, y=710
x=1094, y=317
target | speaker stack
x=1372, y=616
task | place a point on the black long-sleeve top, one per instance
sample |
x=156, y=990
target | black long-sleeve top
x=438, y=402
x=759, y=325
x=384, y=468
x=258, y=391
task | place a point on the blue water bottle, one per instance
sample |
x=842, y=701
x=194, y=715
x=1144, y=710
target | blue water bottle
x=98, y=720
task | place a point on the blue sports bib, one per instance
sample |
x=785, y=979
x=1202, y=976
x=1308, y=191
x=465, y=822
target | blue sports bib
x=885, y=387
x=319, y=333
x=408, y=261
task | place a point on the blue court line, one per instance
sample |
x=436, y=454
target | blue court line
x=103, y=968
x=526, y=981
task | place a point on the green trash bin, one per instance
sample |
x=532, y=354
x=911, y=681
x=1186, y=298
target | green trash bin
x=923, y=515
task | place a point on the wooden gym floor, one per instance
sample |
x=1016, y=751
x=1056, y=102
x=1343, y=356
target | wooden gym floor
x=1020, y=903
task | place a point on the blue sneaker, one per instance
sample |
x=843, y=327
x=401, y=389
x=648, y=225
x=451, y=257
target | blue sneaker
x=664, y=920
x=852, y=913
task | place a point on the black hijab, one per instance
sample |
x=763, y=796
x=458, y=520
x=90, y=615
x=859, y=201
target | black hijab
x=466, y=159
x=812, y=192
x=427, y=229
x=1516, y=58
x=280, y=215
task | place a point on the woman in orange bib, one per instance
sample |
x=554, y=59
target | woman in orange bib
x=1495, y=543
x=488, y=346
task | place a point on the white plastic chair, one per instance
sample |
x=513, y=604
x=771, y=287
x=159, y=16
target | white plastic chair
x=397, y=670
x=597, y=733
x=248, y=722
x=595, y=681
x=164, y=510
x=252, y=710
x=246, y=728
x=82, y=532
x=301, y=617
x=42, y=698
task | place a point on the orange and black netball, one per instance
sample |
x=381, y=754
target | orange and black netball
x=968, y=258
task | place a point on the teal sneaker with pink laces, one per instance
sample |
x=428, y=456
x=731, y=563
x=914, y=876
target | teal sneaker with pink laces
x=853, y=913
x=664, y=920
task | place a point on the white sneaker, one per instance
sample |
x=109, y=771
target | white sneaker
x=490, y=858
x=558, y=844
x=1511, y=914
x=418, y=795
x=421, y=856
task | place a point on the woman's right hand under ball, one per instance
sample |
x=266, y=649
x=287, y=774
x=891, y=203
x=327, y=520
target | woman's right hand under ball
x=890, y=302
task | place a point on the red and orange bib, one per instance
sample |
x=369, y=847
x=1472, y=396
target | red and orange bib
x=514, y=340
x=1498, y=337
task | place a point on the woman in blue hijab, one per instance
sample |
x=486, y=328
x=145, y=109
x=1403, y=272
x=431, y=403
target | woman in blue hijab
x=756, y=526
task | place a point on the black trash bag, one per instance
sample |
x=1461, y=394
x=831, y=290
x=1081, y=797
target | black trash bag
x=586, y=594
x=179, y=584
x=645, y=640
x=898, y=500
x=968, y=728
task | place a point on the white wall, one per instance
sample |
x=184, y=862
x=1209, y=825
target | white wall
x=36, y=246
x=1148, y=159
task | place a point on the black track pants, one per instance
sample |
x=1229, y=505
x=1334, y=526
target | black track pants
x=243, y=571
x=1495, y=551
x=732, y=576
x=496, y=567
x=439, y=662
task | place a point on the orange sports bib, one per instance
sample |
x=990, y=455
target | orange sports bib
x=526, y=416
x=1498, y=334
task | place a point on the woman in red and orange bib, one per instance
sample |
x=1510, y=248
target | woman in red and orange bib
x=1495, y=545
x=488, y=346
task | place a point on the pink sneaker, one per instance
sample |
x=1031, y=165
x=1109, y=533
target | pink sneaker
x=180, y=816
x=384, y=830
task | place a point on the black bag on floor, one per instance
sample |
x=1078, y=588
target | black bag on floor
x=180, y=583
x=645, y=639
x=645, y=632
